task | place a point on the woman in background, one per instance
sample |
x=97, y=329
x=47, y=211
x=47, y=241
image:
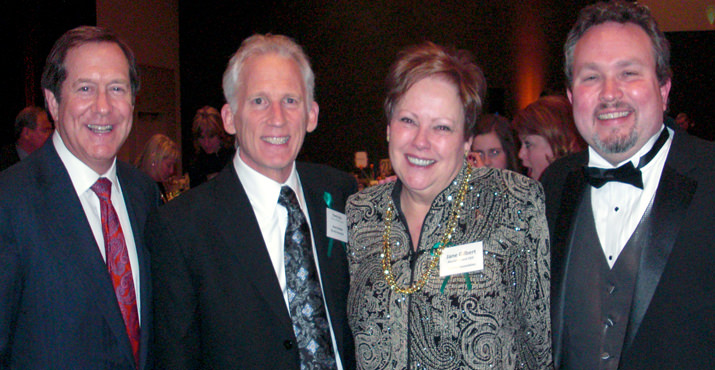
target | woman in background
x=495, y=143
x=412, y=302
x=159, y=160
x=547, y=132
x=214, y=147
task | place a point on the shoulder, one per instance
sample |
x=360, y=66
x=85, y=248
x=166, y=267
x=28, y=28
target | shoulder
x=320, y=175
x=508, y=182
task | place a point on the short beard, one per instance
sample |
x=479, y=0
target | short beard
x=617, y=145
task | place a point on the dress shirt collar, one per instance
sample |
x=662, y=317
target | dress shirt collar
x=596, y=160
x=81, y=175
x=262, y=191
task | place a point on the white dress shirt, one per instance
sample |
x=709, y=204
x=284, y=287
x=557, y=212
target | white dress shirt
x=619, y=207
x=83, y=178
x=272, y=218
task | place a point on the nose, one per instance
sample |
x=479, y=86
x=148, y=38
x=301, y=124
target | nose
x=421, y=139
x=487, y=160
x=522, y=154
x=102, y=104
x=277, y=114
x=611, y=90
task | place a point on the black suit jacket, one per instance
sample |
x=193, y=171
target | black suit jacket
x=672, y=319
x=218, y=304
x=58, y=309
x=8, y=156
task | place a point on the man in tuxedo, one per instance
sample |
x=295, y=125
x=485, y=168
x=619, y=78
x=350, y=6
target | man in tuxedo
x=631, y=218
x=245, y=274
x=32, y=128
x=74, y=284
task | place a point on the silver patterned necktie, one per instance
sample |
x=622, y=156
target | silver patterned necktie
x=305, y=299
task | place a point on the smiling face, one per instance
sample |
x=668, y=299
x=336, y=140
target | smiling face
x=535, y=154
x=272, y=115
x=427, y=142
x=490, y=150
x=94, y=115
x=617, y=100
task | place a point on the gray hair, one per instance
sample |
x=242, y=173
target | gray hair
x=260, y=45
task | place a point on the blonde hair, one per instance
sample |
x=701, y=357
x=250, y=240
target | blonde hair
x=157, y=149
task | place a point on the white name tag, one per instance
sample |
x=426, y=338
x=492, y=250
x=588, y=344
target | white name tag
x=337, y=227
x=462, y=258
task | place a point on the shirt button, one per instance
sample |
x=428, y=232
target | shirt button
x=605, y=356
x=609, y=322
x=288, y=344
x=611, y=289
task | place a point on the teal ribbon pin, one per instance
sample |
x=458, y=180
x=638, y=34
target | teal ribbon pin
x=329, y=202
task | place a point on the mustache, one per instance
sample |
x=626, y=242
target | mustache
x=613, y=105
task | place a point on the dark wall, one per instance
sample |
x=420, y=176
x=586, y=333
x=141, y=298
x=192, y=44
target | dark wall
x=693, y=87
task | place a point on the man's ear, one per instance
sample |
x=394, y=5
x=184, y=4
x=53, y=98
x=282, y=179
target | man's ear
x=312, y=117
x=52, y=104
x=227, y=116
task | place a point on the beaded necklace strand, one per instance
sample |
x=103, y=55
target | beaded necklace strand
x=447, y=236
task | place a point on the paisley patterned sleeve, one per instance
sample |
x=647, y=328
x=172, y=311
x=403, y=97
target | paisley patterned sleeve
x=532, y=263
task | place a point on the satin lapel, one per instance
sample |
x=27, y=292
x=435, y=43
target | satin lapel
x=241, y=235
x=572, y=193
x=67, y=233
x=135, y=201
x=670, y=204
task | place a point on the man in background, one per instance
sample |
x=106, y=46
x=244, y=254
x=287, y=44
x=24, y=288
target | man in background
x=32, y=128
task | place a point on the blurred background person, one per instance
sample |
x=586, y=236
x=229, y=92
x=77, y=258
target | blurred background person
x=547, y=132
x=406, y=306
x=495, y=143
x=214, y=147
x=32, y=128
x=159, y=160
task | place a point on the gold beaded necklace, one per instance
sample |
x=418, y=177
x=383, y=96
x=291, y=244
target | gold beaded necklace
x=447, y=236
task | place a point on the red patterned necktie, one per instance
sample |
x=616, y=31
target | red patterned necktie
x=118, y=263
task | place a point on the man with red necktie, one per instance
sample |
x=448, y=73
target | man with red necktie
x=75, y=289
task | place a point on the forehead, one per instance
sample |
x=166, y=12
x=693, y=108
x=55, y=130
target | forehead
x=271, y=73
x=95, y=59
x=613, y=42
x=489, y=139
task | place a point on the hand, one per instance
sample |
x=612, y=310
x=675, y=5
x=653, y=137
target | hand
x=475, y=159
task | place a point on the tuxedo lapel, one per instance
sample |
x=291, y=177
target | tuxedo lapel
x=241, y=235
x=66, y=229
x=562, y=237
x=670, y=204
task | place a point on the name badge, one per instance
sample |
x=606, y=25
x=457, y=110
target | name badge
x=461, y=259
x=337, y=227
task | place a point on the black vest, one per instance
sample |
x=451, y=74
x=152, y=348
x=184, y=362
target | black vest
x=597, y=298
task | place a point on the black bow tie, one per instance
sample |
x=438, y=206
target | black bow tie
x=626, y=173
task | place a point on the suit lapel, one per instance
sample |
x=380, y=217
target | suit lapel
x=135, y=201
x=241, y=235
x=66, y=229
x=671, y=202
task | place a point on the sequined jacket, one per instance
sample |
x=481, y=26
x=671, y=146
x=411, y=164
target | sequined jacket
x=495, y=318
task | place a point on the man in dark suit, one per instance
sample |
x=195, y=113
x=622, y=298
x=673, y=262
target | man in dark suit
x=32, y=128
x=70, y=207
x=227, y=293
x=631, y=218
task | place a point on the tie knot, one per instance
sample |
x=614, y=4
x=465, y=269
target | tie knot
x=288, y=199
x=103, y=188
